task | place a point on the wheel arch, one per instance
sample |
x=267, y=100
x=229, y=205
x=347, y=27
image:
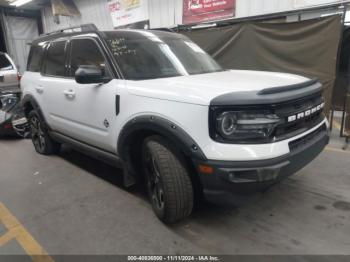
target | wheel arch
x=29, y=103
x=150, y=124
x=141, y=127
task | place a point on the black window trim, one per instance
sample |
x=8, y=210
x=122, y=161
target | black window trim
x=43, y=64
x=114, y=68
x=98, y=43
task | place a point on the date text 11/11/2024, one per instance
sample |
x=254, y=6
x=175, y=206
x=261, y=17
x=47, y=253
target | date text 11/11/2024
x=173, y=258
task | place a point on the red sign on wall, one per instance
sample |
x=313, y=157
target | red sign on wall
x=196, y=11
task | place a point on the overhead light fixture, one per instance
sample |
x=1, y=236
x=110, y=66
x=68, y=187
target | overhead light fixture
x=18, y=3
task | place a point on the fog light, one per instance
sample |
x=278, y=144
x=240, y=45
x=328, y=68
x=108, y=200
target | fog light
x=243, y=176
x=268, y=174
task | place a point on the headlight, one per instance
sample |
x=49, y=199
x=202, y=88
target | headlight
x=240, y=126
x=227, y=123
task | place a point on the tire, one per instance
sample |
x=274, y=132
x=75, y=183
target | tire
x=168, y=180
x=42, y=142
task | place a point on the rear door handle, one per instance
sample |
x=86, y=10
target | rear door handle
x=69, y=94
x=39, y=89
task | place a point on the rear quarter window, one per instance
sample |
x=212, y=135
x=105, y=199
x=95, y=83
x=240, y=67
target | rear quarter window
x=35, y=59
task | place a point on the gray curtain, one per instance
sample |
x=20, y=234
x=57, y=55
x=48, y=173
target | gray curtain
x=306, y=48
x=20, y=32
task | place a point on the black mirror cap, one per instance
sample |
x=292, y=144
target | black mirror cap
x=90, y=74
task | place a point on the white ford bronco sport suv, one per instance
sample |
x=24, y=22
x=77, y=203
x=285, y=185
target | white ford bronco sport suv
x=157, y=105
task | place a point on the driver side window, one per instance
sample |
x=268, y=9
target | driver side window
x=86, y=52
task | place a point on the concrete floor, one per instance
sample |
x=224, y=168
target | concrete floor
x=72, y=204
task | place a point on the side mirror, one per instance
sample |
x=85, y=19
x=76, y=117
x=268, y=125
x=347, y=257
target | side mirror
x=90, y=74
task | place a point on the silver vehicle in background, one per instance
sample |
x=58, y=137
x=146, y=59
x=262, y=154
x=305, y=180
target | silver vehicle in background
x=9, y=75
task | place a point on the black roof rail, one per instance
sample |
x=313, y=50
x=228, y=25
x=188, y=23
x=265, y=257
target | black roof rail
x=80, y=28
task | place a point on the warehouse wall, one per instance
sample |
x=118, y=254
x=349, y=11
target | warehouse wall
x=259, y=7
x=168, y=13
x=92, y=11
x=20, y=32
x=165, y=13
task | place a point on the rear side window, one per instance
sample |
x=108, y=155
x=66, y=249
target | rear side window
x=5, y=64
x=55, y=59
x=35, y=59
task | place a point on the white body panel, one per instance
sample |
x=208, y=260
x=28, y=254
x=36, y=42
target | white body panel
x=76, y=110
x=201, y=89
x=183, y=100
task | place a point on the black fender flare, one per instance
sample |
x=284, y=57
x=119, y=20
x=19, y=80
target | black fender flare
x=30, y=100
x=164, y=127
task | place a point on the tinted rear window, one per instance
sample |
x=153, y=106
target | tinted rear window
x=35, y=58
x=5, y=64
x=55, y=59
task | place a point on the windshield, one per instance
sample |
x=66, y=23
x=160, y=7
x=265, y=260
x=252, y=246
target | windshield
x=149, y=56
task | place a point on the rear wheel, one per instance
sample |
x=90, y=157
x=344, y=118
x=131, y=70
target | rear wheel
x=168, y=181
x=42, y=142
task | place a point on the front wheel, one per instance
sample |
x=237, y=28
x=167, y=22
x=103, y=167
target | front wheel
x=168, y=181
x=42, y=142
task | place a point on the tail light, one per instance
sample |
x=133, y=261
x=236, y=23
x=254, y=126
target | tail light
x=19, y=77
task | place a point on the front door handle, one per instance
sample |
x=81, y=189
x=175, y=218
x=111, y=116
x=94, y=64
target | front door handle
x=69, y=94
x=39, y=89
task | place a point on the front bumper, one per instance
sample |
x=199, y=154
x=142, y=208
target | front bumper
x=242, y=178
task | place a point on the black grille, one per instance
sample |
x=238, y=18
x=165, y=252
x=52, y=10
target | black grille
x=294, y=145
x=286, y=129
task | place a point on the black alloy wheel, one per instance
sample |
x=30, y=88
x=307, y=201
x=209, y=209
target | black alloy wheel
x=154, y=182
x=42, y=142
x=168, y=180
x=38, y=136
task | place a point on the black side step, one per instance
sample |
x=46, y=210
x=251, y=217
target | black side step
x=107, y=157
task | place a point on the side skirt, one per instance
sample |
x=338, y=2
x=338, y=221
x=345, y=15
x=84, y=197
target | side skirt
x=99, y=154
x=86, y=149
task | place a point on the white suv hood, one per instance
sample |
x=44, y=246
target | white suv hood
x=201, y=89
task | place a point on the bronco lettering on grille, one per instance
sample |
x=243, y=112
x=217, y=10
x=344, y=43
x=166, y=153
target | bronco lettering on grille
x=306, y=113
